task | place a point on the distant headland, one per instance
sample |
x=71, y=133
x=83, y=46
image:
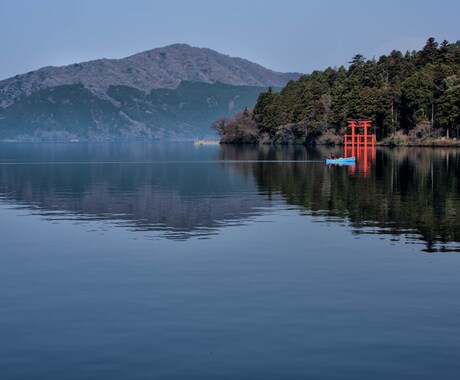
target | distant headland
x=411, y=98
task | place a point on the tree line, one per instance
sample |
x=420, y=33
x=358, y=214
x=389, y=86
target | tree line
x=413, y=95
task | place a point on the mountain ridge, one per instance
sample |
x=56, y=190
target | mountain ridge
x=163, y=67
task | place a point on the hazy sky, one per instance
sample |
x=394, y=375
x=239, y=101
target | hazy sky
x=283, y=35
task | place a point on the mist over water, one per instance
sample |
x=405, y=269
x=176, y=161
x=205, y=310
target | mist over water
x=157, y=260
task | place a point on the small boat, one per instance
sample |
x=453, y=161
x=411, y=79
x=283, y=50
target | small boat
x=341, y=160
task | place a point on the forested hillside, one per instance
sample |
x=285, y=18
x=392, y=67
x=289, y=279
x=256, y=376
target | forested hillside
x=68, y=112
x=168, y=93
x=415, y=95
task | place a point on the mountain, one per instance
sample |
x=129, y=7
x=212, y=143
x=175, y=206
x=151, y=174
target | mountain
x=169, y=92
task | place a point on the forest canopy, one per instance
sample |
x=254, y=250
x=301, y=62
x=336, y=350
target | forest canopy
x=415, y=94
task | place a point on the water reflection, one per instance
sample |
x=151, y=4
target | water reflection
x=412, y=191
x=182, y=191
x=170, y=188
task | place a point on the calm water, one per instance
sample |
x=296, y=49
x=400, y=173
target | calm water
x=170, y=261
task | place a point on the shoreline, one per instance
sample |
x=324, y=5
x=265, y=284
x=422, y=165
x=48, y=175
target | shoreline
x=433, y=144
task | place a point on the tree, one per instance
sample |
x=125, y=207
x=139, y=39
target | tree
x=429, y=53
x=357, y=60
x=417, y=98
x=326, y=102
x=448, y=110
x=266, y=111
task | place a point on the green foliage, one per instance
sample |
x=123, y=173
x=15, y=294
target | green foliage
x=60, y=113
x=398, y=92
x=74, y=112
x=448, y=109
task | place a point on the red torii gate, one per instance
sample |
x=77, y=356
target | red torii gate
x=365, y=139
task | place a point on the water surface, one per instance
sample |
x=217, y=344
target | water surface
x=173, y=261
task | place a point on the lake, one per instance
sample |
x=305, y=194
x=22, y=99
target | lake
x=175, y=261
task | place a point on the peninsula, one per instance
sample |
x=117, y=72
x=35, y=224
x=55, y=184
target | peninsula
x=411, y=98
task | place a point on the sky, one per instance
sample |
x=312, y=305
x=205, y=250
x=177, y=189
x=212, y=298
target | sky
x=282, y=35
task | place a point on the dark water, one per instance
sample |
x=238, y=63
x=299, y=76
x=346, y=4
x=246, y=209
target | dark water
x=170, y=261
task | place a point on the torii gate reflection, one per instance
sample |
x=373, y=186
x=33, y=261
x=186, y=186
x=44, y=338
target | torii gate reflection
x=360, y=144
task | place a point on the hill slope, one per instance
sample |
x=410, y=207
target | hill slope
x=157, y=68
x=172, y=92
x=68, y=112
x=411, y=98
